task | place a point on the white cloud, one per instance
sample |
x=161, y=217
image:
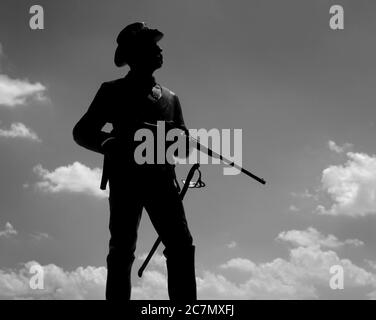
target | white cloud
x=39, y=236
x=152, y=286
x=82, y=283
x=232, y=245
x=372, y=295
x=158, y=260
x=371, y=263
x=14, y=92
x=303, y=275
x=72, y=178
x=239, y=264
x=351, y=186
x=8, y=231
x=312, y=237
x=293, y=208
x=19, y=130
x=300, y=277
x=304, y=195
x=339, y=149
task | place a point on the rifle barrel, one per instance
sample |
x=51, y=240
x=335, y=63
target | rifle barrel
x=225, y=160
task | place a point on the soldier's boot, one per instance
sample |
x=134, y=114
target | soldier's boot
x=118, y=284
x=181, y=276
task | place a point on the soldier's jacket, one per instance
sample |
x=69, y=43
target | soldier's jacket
x=125, y=103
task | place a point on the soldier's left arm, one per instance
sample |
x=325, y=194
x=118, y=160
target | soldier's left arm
x=88, y=131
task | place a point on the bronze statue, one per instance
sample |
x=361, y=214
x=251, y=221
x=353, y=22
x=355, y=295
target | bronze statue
x=125, y=103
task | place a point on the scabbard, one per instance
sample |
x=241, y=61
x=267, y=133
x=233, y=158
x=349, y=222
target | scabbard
x=158, y=241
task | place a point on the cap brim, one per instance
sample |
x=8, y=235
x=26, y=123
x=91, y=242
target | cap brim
x=156, y=35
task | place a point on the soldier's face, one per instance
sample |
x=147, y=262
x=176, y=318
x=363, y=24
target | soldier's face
x=148, y=56
x=156, y=55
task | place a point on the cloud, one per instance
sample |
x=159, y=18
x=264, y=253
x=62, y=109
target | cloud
x=232, y=245
x=157, y=260
x=152, y=286
x=14, y=92
x=82, y=283
x=371, y=263
x=239, y=264
x=39, y=236
x=302, y=276
x=8, y=231
x=293, y=208
x=372, y=295
x=19, y=130
x=351, y=186
x=299, y=277
x=312, y=237
x=304, y=195
x=76, y=178
x=339, y=149
x=305, y=274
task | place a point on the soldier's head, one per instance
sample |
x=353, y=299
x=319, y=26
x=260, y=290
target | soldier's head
x=138, y=47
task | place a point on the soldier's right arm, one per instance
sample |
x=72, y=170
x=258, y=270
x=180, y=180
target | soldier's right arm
x=88, y=130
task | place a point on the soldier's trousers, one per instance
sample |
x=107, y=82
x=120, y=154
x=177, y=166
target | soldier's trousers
x=131, y=190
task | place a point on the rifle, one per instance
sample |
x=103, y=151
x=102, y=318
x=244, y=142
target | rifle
x=199, y=183
x=211, y=153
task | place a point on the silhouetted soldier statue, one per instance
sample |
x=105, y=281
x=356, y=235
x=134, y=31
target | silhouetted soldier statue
x=126, y=103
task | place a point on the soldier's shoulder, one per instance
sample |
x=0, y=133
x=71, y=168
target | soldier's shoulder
x=113, y=83
x=168, y=91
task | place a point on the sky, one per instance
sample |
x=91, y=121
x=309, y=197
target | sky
x=302, y=93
